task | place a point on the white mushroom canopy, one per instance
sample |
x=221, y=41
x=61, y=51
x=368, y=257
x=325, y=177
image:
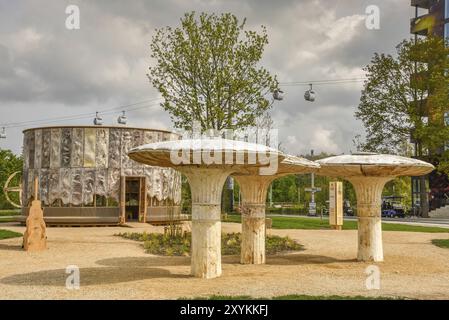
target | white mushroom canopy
x=210, y=152
x=296, y=165
x=290, y=165
x=373, y=165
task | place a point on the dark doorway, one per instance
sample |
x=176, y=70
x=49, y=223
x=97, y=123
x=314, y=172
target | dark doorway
x=132, y=199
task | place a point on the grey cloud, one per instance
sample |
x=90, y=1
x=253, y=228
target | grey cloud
x=47, y=70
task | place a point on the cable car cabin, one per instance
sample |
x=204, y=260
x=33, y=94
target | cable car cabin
x=278, y=95
x=98, y=121
x=310, y=95
x=122, y=119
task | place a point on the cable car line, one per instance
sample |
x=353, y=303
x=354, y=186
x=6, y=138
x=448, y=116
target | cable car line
x=74, y=117
x=322, y=82
x=82, y=115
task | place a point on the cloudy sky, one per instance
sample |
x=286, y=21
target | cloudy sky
x=48, y=71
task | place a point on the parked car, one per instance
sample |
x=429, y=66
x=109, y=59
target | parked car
x=392, y=207
x=347, y=209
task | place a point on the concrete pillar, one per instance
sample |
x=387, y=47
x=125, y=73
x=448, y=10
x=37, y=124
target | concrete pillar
x=254, y=194
x=369, y=198
x=206, y=186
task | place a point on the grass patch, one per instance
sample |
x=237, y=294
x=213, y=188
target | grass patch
x=6, y=234
x=318, y=224
x=442, y=243
x=8, y=213
x=294, y=297
x=160, y=244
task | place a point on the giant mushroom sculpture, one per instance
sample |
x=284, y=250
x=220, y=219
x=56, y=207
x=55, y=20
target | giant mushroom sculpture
x=368, y=173
x=207, y=163
x=253, y=188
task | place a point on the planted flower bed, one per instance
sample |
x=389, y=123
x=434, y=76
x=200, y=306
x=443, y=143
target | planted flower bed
x=179, y=245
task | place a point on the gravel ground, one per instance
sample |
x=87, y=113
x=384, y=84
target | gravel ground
x=115, y=268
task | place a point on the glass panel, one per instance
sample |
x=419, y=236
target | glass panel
x=66, y=147
x=114, y=184
x=31, y=148
x=114, y=148
x=126, y=145
x=77, y=185
x=101, y=157
x=66, y=185
x=100, y=201
x=55, y=148
x=101, y=182
x=46, y=137
x=38, y=149
x=53, y=186
x=90, y=138
x=77, y=147
x=88, y=187
x=44, y=186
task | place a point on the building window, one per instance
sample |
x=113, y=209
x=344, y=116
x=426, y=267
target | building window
x=446, y=118
x=446, y=9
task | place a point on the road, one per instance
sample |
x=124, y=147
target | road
x=444, y=223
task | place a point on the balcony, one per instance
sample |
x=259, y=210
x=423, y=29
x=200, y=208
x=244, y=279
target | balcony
x=423, y=4
x=423, y=25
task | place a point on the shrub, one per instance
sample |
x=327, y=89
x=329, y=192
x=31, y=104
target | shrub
x=160, y=244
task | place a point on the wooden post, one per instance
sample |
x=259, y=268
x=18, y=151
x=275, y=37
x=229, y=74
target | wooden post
x=336, y=205
x=122, y=199
x=143, y=201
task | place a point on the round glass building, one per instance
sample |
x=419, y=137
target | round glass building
x=85, y=176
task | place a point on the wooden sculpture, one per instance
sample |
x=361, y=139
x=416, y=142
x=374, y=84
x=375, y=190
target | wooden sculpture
x=35, y=236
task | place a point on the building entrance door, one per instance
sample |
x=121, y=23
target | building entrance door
x=135, y=199
x=132, y=199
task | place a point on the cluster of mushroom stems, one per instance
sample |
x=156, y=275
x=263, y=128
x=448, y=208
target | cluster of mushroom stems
x=206, y=183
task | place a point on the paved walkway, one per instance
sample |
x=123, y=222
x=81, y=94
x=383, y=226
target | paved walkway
x=115, y=268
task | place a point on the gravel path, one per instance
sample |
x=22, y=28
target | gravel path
x=115, y=268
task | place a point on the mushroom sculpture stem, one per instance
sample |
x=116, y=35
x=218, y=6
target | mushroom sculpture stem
x=254, y=189
x=206, y=186
x=369, y=197
x=207, y=163
x=368, y=173
x=254, y=193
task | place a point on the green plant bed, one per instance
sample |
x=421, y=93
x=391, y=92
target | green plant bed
x=160, y=244
x=442, y=243
x=6, y=234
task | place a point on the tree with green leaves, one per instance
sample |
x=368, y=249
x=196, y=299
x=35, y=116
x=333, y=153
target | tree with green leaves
x=208, y=71
x=406, y=96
